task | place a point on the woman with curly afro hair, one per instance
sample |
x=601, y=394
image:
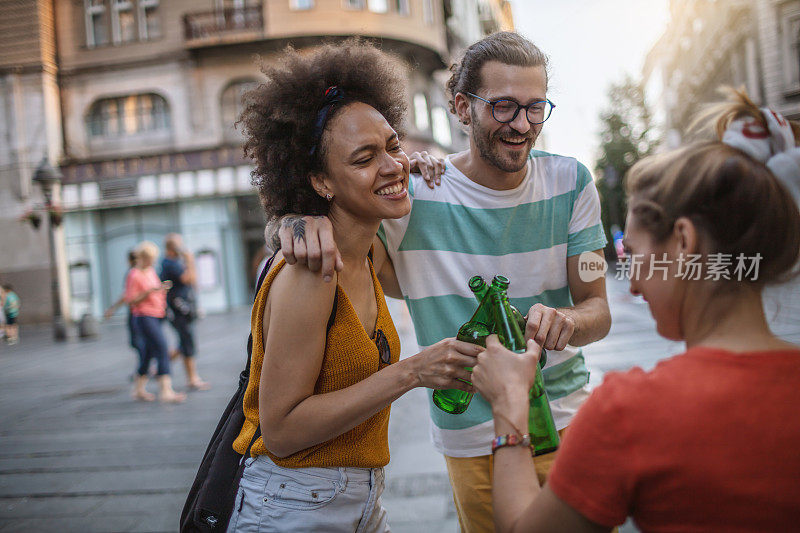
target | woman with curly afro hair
x=324, y=131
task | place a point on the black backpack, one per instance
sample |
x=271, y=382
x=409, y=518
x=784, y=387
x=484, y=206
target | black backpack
x=209, y=505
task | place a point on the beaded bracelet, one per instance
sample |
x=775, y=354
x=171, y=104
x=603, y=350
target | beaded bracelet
x=510, y=440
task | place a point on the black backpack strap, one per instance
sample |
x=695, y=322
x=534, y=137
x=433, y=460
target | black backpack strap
x=332, y=318
x=264, y=271
x=245, y=376
x=261, y=278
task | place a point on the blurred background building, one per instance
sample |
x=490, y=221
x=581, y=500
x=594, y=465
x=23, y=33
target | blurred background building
x=135, y=101
x=30, y=132
x=708, y=43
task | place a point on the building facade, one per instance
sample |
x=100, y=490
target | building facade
x=753, y=44
x=147, y=96
x=30, y=133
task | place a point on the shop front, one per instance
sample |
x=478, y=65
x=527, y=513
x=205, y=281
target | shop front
x=206, y=196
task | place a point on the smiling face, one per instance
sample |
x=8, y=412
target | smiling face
x=366, y=169
x=506, y=146
x=664, y=292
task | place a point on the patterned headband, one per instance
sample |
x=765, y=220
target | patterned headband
x=333, y=95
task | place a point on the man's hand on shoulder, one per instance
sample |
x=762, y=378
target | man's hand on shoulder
x=428, y=166
x=309, y=241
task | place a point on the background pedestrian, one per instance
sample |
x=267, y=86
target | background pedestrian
x=11, y=307
x=146, y=295
x=134, y=340
x=2, y=314
x=177, y=267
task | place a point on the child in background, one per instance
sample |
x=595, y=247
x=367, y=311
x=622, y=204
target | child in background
x=2, y=315
x=11, y=305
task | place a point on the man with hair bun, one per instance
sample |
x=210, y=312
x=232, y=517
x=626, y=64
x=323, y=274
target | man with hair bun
x=501, y=208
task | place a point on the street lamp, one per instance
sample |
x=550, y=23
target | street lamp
x=48, y=178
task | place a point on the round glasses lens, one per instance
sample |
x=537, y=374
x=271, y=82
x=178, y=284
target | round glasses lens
x=504, y=110
x=539, y=112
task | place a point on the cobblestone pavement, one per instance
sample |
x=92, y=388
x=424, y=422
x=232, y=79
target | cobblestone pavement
x=77, y=454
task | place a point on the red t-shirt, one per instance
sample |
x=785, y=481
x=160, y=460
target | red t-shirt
x=707, y=441
x=138, y=281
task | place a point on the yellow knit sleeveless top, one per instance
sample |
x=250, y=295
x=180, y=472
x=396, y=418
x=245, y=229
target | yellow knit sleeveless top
x=350, y=356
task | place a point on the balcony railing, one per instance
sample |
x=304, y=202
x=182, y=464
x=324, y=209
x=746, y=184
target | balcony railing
x=223, y=25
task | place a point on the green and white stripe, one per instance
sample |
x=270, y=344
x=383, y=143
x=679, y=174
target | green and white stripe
x=460, y=229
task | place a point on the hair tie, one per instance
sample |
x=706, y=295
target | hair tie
x=333, y=95
x=774, y=146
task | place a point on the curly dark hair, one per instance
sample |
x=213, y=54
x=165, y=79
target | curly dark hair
x=507, y=47
x=280, y=114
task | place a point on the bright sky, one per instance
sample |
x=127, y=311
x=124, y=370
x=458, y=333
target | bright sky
x=591, y=44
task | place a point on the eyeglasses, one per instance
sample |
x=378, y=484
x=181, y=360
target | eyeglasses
x=384, y=350
x=505, y=111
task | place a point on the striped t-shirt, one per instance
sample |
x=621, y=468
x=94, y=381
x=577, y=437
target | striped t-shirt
x=460, y=229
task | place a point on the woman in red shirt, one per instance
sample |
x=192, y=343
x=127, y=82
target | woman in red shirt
x=707, y=440
x=146, y=295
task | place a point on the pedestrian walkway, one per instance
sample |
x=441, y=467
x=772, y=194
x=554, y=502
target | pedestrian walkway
x=77, y=454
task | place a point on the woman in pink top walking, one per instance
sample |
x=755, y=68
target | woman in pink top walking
x=146, y=295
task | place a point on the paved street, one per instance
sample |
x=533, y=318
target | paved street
x=76, y=454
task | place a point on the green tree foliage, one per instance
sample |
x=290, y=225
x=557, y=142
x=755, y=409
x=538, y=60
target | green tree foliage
x=627, y=135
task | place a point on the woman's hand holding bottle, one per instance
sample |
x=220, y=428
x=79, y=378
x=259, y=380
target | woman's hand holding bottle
x=444, y=365
x=504, y=377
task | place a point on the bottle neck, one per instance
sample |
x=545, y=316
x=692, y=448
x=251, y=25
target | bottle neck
x=507, y=327
x=500, y=284
x=480, y=291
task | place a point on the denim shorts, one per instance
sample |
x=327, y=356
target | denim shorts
x=272, y=498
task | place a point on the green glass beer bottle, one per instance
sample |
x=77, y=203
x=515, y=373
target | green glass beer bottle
x=541, y=427
x=474, y=331
x=500, y=284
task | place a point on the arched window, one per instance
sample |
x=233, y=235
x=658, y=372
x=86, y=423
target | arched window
x=233, y=105
x=421, y=112
x=130, y=115
x=440, y=124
